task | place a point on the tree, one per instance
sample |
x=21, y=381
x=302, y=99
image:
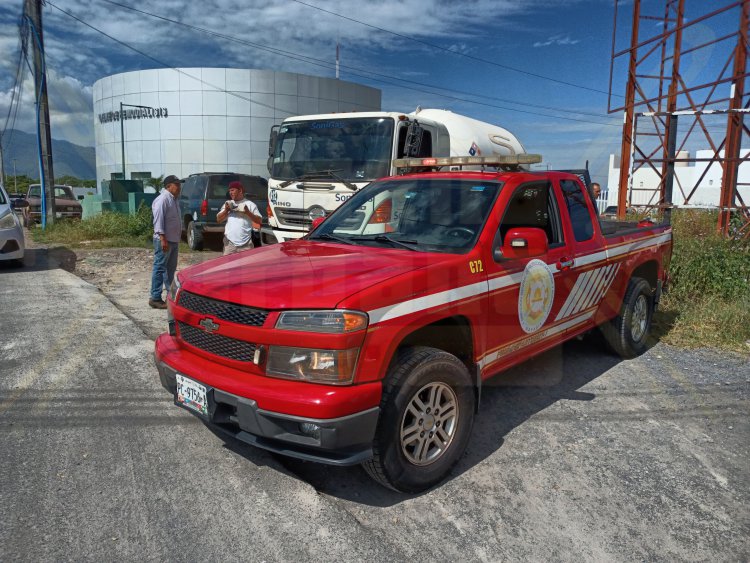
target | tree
x=155, y=182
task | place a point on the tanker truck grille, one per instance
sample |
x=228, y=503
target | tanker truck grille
x=222, y=310
x=216, y=344
x=294, y=217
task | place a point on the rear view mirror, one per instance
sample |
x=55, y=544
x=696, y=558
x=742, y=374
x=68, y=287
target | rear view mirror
x=20, y=203
x=272, y=139
x=524, y=242
x=80, y=197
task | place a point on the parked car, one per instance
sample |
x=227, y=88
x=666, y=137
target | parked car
x=66, y=204
x=11, y=232
x=203, y=195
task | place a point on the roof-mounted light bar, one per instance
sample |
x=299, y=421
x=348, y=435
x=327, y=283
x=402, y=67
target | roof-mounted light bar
x=497, y=161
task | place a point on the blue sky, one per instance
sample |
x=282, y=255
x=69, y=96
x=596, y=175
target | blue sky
x=562, y=40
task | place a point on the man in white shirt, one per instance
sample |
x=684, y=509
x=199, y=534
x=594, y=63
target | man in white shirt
x=241, y=216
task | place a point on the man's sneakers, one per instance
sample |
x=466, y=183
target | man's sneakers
x=157, y=304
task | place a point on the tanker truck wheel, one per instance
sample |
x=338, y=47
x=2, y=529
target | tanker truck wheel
x=427, y=412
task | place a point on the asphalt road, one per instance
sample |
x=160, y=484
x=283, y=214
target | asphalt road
x=575, y=456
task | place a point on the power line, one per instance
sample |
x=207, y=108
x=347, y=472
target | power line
x=326, y=64
x=368, y=76
x=15, y=99
x=452, y=51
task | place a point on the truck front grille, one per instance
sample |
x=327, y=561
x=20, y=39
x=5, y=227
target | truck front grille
x=222, y=310
x=293, y=217
x=216, y=344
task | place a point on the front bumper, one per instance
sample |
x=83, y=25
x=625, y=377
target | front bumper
x=340, y=441
x=11, y=244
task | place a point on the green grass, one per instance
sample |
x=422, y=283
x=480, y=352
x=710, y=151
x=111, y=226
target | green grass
x=708, y=303
x=106, y=230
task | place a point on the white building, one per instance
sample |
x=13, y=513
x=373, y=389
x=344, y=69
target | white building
x=645, y=182
x=206, y=119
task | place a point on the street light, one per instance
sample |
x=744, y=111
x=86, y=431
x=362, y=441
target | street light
x=122, y=131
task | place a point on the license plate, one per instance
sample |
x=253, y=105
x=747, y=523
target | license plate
x=191, y=394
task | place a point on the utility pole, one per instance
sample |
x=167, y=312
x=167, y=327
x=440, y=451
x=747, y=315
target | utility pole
x=2, y=166
x=33, y=11
x=15, y=176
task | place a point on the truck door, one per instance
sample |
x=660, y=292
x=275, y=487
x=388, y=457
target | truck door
x=591, y=274
x=525, y=293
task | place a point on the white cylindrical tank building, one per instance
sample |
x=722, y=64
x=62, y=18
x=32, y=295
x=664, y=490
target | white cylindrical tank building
x=206, y=119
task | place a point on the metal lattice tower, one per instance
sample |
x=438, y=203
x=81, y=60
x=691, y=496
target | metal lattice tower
x=685, y=89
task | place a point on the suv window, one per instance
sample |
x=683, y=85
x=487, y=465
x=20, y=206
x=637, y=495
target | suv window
x=192, y=188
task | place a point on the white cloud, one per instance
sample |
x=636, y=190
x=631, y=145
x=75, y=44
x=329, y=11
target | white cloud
x=557, y=40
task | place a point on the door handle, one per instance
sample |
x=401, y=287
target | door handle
x=565, y=264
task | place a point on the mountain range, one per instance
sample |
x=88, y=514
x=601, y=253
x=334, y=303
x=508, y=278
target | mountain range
x=69, y=159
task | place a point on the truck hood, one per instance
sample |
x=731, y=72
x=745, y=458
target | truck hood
x=299, y=274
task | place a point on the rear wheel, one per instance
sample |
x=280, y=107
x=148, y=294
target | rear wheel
x=627, y=333
x=194, y=236
x=427, y=412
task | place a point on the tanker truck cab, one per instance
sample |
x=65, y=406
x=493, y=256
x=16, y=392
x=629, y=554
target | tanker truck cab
x=317, y=162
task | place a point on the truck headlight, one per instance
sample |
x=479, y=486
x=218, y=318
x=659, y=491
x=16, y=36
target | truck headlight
x=332, y=321
x=333, y=367
x=174, y=288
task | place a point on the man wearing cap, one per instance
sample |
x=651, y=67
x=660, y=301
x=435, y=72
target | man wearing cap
x=241, y=216
x=167, y=233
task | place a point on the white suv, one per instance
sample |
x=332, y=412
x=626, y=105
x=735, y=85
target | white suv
x=11, y=231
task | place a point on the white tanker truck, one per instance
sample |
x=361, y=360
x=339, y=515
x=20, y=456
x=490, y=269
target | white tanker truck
x=316, y=162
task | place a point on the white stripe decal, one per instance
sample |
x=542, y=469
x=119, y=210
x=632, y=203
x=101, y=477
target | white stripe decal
x=573, y=297
x=591, y=293
x=585, y=291
x=608, y=282
x=427, y=302
x=471, y=290
x=596, y=292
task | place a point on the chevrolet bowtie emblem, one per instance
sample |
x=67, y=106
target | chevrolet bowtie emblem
x=208, y=325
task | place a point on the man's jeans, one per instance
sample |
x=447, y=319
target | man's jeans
x=165, y=264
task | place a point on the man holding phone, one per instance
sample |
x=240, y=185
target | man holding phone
x=241, y=216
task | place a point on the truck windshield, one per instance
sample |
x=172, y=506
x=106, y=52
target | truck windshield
x=354, y=149
x=428, y=215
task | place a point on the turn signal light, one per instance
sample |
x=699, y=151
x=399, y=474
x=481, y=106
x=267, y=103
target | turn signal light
x=383, y=213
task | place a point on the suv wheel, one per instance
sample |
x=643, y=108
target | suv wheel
x=194, y=237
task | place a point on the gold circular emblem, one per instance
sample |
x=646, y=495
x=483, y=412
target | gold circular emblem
x=536, y=295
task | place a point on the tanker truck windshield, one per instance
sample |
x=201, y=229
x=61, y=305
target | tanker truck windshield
x=356, y=150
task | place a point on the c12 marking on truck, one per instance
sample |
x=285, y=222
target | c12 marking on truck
x=589, y=289
x=476, y=266
x=536, y=295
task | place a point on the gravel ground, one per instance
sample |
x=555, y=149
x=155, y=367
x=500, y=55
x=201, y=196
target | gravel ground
x=575, y=455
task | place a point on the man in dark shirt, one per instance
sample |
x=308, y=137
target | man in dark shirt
x=167, y=232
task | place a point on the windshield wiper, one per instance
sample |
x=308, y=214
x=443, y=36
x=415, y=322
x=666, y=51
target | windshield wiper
x=329, y=236
x=409, y=244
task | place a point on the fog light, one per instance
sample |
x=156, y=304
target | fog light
x=310, y=429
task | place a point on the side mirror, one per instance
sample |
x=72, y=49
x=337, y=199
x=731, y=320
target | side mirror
x=524, y=242
x=20, y=203
x=316, y=223
x=272, y=139
x=80, y=197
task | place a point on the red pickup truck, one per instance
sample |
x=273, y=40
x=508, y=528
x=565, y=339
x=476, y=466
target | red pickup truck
x=369, y=340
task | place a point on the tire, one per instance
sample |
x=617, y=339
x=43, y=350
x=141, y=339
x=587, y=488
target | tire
x=412, y=449
x=194, y=237
x=627, y=334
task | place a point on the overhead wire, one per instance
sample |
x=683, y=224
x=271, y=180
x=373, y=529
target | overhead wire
x=453, y=51
x=328, y=65
x=315, y=62
x=16, y=90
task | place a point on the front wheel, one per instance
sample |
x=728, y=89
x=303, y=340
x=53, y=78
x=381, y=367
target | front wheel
x=627, y=333
x=427, y=412
x=194, y=237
